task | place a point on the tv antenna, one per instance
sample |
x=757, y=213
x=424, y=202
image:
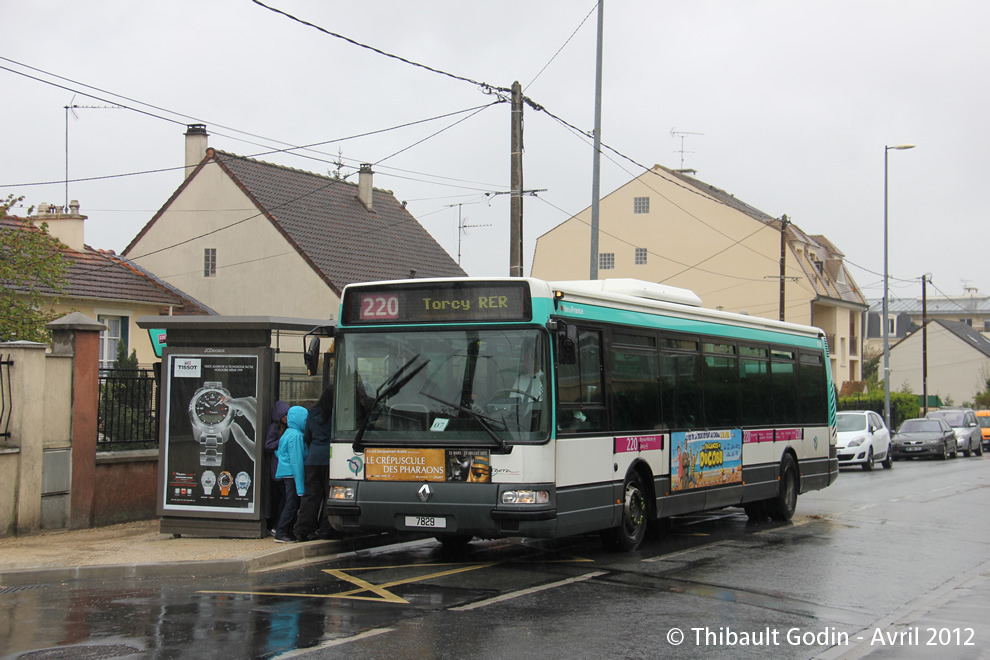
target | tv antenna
x=461, y=226
x=674, y=133
x=72, y=107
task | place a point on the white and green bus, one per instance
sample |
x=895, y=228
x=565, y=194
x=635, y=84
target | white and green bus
x=518, y=407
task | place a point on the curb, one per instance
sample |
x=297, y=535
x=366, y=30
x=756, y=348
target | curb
x=213, y=567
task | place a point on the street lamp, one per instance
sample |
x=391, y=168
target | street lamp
x=886, y=338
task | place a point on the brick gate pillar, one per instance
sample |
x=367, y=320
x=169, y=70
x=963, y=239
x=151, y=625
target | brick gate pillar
x=79, y=336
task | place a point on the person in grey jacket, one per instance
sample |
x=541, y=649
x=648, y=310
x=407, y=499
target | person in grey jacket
x=276, y=496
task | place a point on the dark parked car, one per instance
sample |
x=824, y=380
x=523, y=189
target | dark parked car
x=963, y=421
x=925, y=437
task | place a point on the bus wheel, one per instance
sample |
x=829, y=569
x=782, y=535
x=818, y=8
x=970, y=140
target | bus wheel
x=635, y=509
x=783, y=505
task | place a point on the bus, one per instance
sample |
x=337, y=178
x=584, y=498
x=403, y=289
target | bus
x=515, y=407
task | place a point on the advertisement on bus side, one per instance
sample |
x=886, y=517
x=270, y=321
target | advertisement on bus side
x=705, y=458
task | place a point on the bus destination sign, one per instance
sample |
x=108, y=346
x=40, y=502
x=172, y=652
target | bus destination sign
x=438, y=302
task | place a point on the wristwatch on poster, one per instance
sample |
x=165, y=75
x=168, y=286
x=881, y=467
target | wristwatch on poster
x=209, y=481
x=211, y=418
x=225, y=481
x=243, y=482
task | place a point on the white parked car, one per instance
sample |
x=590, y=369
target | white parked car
x=863, y=439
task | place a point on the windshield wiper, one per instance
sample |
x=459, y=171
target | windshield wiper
x=478, y=417
x=390, y=387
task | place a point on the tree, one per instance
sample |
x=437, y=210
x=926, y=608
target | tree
x=982, y=398
x=31, y=266
x=871, y=366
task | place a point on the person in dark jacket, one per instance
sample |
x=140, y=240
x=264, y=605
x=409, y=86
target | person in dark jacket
x=312, y=523
x=291, y=455
x=276, y=495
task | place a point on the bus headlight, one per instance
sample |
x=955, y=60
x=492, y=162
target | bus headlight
x=342, y=493
x=525, y=497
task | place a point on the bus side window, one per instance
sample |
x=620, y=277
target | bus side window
x=579, y=386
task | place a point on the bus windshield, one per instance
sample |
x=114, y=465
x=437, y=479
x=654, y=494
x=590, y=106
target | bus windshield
x=477, y=387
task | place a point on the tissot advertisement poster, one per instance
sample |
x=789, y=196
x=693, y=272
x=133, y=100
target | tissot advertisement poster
x=209, y=448
x=705, y=458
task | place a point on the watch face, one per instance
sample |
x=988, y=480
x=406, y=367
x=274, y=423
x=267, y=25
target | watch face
x=210, y=407
x=225, y=479
x=209, y=479
x=243, y=480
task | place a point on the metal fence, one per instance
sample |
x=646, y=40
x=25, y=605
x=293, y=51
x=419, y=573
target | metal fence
x=6, y=400
x=127, y=415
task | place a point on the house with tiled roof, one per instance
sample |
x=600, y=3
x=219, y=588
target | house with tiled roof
x=254, y=238
x=104, y=286
x=904, y=315
x=957, y=356
x=669, y=227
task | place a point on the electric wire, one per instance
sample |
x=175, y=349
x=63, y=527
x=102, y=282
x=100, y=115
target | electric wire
x=487, y=88
x=559, y=50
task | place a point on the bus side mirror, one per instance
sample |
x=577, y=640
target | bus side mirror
x=567, y=343
x=312, y=356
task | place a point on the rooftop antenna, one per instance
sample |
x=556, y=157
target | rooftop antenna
x=339, y=163
x=72, y=107
x=461, y=227
x=674, y=133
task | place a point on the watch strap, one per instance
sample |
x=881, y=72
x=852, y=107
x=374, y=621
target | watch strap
x=211, y=451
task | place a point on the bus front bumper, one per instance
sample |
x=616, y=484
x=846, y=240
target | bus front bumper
x=450, y=508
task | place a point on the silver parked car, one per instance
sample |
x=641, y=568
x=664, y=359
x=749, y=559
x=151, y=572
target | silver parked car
x=862, y=439
x=969, y=437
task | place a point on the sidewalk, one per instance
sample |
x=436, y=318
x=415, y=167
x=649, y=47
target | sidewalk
x=139, y=549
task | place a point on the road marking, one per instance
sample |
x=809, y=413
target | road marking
x=684, y=552
x=382, y=589
x=335, y=642
x=384, y=595
x=526, y=592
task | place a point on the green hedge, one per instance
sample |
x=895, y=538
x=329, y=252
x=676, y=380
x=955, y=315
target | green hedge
x=902, y=405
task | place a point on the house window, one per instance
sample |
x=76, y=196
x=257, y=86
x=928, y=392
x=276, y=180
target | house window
x=210, y=262
x=606, y=260
x=891, y=329
x=641, y=204
x=110, y=339
x=640, y=256
x=986, y=326
x=968, y=322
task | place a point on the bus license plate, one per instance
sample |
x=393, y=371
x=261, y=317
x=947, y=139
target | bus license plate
x=426, y=521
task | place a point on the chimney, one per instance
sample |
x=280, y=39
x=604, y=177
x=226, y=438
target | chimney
x=196, y=143
x=365, y=189
x=66, y=227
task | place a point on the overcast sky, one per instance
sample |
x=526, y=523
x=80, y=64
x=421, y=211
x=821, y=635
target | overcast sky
x=789, y=105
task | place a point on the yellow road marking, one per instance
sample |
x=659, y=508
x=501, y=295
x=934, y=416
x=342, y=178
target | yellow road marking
x=382, y=590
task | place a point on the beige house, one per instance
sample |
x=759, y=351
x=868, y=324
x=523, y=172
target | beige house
x=904, y=315
x=958, y=361
x=667, y=227
x=106, y=287
x=252, y=238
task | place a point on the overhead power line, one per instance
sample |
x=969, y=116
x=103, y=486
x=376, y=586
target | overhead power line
x=487, y=88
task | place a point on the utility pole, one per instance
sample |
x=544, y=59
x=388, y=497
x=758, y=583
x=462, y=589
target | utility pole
x=783, y=257
x=924, y=342
x=516, y=183
x=597, y=156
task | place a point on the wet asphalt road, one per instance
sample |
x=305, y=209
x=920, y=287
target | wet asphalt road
x=876, y=554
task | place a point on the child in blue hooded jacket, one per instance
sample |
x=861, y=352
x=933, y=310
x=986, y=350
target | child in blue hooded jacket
x=291, y=454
